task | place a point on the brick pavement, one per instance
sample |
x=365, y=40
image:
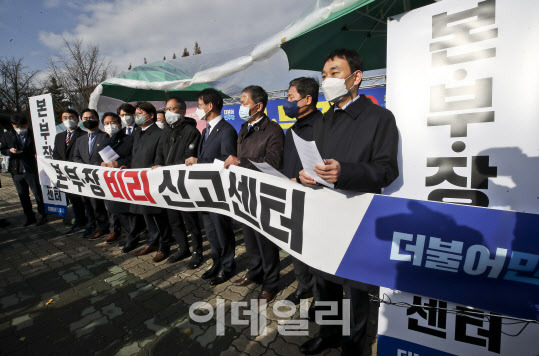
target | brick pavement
x=71, y=295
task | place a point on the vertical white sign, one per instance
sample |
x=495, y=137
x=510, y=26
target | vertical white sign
x=410, y=324
x=44, y=128
x=462, y=81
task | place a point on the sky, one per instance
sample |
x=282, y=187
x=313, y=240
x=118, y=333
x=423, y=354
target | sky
x=128, y=31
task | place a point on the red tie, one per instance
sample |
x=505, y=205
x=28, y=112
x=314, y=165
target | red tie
x=68, y=138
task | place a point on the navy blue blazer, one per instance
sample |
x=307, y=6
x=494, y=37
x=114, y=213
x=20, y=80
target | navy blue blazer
x=222, y=142
x=82, y=155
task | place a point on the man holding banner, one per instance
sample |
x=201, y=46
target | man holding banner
x=259, y=140
x=360, y=141
x=64, y=150
x=219, y=140
x=87, y=151
x=301, y=104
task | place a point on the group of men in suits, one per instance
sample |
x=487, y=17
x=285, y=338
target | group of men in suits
x=357, y=139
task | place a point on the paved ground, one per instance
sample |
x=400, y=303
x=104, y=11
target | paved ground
x=70, y=295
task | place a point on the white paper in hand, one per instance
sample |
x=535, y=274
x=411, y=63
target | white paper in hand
x=265, y=167
x=309, y=157
x=108, y=154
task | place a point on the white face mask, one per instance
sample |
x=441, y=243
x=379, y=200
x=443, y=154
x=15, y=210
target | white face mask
x=161, y=125
x=140, y=119
x=111, y=129
x=244, y=113
x=172, y=117
x=127, y=120
x=70, y=124
x=335, y=88
x=201, y=113
x=21, y=131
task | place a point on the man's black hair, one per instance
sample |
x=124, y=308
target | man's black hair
x=94, y=113
x=114, y=115
x=18, y=119
x=160, y=112
x=257, y=94
x=71, y=111
x=306, y=86
x=180, y=101
x=210, y=95
x=128, y=108
x=353, y=59
x=147, y=107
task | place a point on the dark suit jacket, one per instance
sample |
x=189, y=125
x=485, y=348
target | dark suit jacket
x=122, y=144
x=264, y=144
x=143, y=156
x=65, y=152
x=221, y=143
x=304, y=128
x=81, y=154
x=26, y=159
x=364, y=139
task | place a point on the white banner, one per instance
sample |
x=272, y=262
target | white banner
x=274, y=206
x=43, y=124
x=462, y=81
x=436, y=327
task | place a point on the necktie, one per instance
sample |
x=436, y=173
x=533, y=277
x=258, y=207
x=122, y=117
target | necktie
x=68, y=137
x=206, y=134
x=90, y=143
x=128, y=130
x=250, y=129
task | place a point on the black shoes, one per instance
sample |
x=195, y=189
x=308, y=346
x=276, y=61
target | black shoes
x=41, y=221
x=318, y=344
x=129, y=247
x=89, y=231
x=222, y=277
x=178, y=256
x=298, y=295
x=29, y=221
x=74, y=229
x=213, y=271
x=195, y=261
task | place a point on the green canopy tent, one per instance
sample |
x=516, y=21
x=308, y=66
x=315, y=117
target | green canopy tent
x=152, y=72
x=361, y=27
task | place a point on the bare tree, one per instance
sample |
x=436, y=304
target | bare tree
x=80, y=70
x=17, y=83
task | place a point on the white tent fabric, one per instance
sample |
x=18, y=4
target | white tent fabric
x=212, y=68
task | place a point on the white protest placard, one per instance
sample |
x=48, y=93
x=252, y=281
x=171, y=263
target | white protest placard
x=44, y=128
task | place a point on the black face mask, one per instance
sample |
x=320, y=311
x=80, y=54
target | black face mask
x=91, y=124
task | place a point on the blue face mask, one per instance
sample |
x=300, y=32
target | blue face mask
x=291, y=108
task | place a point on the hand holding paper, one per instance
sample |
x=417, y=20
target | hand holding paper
x=108, y=154
x=310, y=157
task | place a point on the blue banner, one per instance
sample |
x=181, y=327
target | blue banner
x=483, y=258
x=396, y=347
x=275, y=111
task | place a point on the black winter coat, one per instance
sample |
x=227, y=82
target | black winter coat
x=178, y=143
x=364, y=139
x=144, y=151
